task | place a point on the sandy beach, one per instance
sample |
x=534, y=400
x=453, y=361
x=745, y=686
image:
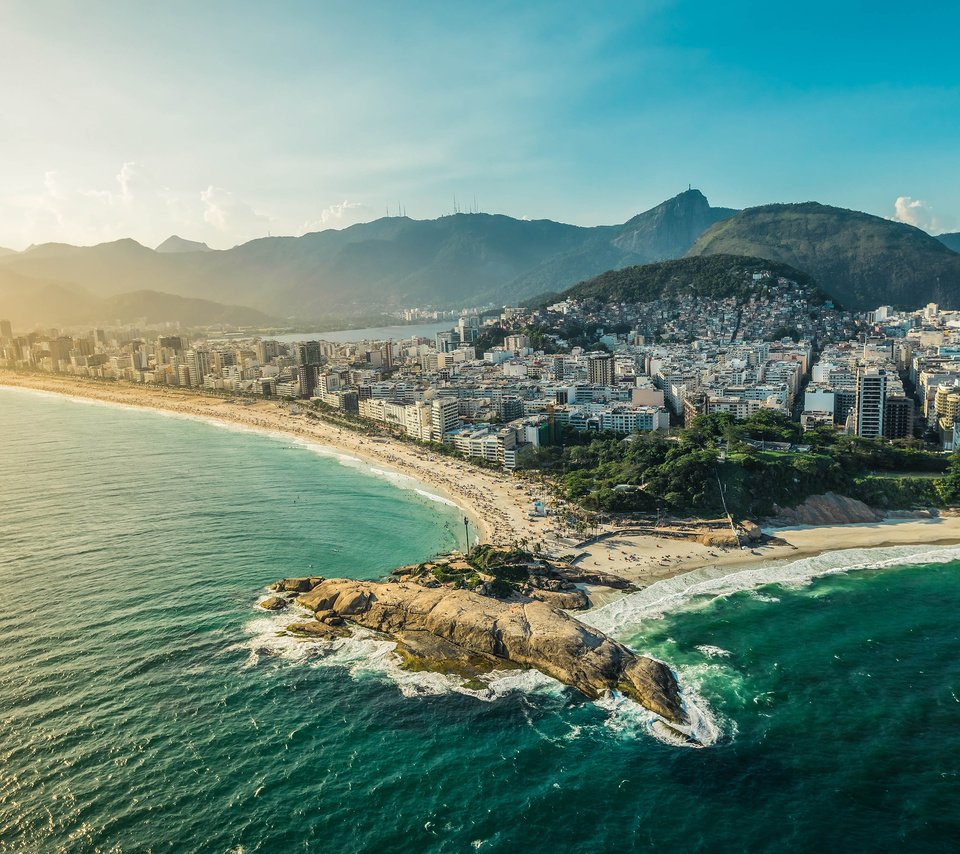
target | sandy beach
x=645, y=559
x=497, y=504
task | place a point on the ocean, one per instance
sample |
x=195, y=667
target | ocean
x=148, y=705
x=373, y=333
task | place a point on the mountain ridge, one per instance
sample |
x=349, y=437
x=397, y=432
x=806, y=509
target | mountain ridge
x=861, y=260
x=951, y=240
x=389, y=263
x=476, y=259
x=176, y=243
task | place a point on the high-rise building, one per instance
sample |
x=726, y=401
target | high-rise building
x=444, y=417
x=516, y=343
x=60, y=351
x=307, y=374
x=468, y=328
x=600, y=370
x=308, y=353
x=446, y=342
x=199, y=362
x=173, y=343
x=898, y=418
x=266, y=351
x=328, y=383
x=558, y=367
x=871, y=402
x=6, y=332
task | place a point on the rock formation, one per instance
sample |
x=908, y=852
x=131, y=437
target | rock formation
x=296, y=585
x=456, y=625
x=500, y=572
x=827, y=509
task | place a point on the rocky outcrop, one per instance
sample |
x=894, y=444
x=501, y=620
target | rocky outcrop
x=719, y=539
x=489, y=631
x=296, y=585
x=513, y=573
x=567, y=600
x=274, y=603
x=827, y=509
x=318, y=629
x=582, y=575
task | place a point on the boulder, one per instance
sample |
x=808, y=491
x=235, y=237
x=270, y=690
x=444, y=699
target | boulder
x=718, y=538
x=273, y=603
x=404, y=571
x=566, y=600
x=827, y=509
x=581, y=575
x=297, y=585
x=316, y=629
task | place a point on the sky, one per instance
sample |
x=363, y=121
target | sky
x=226, y=121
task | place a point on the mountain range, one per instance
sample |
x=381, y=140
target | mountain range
x=951, y=241
x=463, y=259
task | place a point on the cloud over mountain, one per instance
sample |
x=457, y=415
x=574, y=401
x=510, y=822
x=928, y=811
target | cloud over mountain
x=918, y=213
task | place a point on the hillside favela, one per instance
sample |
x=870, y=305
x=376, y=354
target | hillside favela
x=443, y=429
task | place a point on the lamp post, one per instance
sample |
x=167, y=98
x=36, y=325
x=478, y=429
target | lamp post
x=466, y=531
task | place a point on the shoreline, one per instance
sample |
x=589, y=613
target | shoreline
x=645, y=560
x=452, y=481
x=496, y=504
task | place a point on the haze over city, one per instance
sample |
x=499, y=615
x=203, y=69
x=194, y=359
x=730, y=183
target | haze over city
x=224, y=122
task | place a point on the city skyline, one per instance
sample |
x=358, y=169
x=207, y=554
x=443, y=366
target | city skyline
x=302, y=118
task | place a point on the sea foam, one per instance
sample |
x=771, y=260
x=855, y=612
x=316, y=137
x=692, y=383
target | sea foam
x=366, y=654
x=714, y=582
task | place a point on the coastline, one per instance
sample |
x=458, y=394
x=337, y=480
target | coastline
x=471, y=490
x=496, y=504
x=645, y=560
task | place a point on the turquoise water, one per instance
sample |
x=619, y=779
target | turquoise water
x=147, y=705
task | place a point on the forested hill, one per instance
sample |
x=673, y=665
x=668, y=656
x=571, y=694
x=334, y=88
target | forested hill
x=860, y=260
x=715, y=276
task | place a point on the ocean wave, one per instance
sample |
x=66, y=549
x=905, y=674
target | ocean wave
x=715, y=582
x=627, y=719
x=713, y=651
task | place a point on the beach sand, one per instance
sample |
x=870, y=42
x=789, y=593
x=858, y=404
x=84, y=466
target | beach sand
x=645, y=559
x=499, y=504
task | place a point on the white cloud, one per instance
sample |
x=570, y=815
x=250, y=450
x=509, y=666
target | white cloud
x=916, y=212
x=340, y=215
x=133, y=204
x=233, y=216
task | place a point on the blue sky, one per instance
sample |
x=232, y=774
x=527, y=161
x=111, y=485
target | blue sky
x=224, y=121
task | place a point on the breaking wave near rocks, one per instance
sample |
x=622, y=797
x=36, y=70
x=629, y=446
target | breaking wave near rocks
x=709, y=583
